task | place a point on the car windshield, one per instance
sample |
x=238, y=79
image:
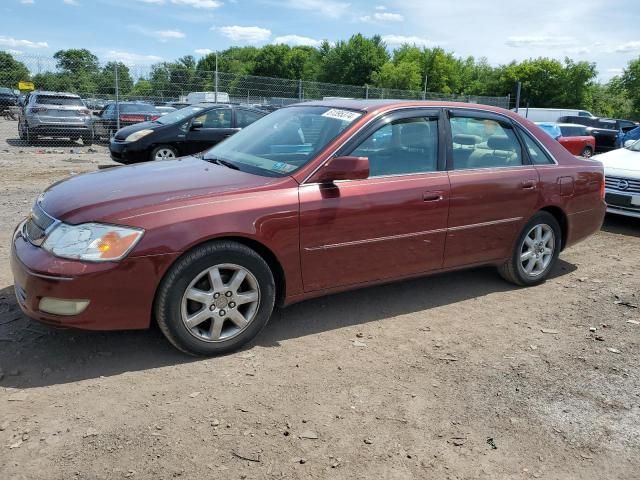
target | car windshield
x=179, y=115
x=552, y=129
x=283, y=141
x=6, y=91
x=635, y=147
x=59, y=100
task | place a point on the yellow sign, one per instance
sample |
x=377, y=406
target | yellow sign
x=25, y=86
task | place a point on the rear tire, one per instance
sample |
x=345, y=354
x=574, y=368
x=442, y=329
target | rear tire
x=25, y=135
x=587, y=152
x=215, y=299
x=535, y=253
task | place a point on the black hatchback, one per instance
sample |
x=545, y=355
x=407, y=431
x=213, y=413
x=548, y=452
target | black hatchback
x=186, y=131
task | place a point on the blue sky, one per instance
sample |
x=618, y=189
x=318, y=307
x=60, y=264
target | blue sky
x=141, y=32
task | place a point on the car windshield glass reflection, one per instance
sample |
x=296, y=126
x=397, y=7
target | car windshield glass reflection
x=284, y=141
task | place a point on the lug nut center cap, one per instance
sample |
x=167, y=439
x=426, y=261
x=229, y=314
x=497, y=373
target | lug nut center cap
x=221, y=302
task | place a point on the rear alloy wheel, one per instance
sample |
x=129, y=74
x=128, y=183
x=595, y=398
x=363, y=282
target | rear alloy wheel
x=587, y=152
x=164, y=152
x=215, y=299
x=536, y=251
x=25, y=135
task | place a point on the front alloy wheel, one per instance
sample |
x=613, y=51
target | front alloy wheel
x=537, y=250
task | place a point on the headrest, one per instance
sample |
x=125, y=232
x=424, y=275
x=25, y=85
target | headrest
x=466, y=139
x=499, y=142
x=414, y=133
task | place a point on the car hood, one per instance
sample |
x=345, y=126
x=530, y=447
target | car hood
x=118, y=194
x=126, y=131
x=621, y=160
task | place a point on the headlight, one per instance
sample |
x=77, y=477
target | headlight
x=92, y=241
x=138, y=135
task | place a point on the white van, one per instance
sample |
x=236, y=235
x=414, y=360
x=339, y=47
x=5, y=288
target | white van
x=200, y=97
x=551, y=114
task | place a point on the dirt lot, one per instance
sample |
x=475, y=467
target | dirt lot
x=448, y=377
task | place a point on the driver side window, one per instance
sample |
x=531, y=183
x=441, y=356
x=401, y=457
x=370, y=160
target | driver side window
x=217, y=118
x=405, y=146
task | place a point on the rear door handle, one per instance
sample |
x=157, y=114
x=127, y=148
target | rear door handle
x=432, y=197
x=528, y=185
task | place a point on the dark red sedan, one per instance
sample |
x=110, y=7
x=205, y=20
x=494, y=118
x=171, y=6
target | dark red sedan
x=311, y=199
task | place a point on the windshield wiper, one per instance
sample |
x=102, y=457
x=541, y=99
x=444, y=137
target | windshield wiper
x=224, y=163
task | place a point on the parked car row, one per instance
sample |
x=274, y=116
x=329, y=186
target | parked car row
x=573, y=137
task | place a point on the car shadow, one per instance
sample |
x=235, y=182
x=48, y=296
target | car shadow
x=34, y=355
x=621, y=225
x=45, y=142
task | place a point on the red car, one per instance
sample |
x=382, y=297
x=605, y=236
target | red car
x=314, y=198
x=573, y=137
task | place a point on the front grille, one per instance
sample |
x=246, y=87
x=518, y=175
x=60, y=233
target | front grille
x=620, y=184
x=36, y=226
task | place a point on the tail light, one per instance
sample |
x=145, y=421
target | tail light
x=38, y=109
x=132, y=118
x=155, y=117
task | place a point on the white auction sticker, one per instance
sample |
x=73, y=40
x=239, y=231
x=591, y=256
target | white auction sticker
x=346, y=115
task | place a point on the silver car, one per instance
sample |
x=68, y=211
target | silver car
x=56, y=115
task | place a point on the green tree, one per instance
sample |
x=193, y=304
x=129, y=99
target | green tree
x=77, y=60
x=353, y=62
x=630, y=81
x=12, y=71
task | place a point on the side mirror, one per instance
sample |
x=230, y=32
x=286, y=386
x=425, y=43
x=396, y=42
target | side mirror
x=628, y=143
x=342, y=168
x=195, y=125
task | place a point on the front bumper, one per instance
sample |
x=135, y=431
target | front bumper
x=128, y=152
x=120, y=294
x=61, y=130
x=620, y=203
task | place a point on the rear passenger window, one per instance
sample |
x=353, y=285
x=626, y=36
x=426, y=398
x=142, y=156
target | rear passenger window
x=483, y=143
x=405, y=146
x=246, y=117
x=536, y=154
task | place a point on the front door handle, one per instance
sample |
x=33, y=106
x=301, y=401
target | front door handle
x=528, y=185
x=432, y=197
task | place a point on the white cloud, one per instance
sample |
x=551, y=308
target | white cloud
x=203, y=51
x=129, y=58
x=628, y=47
x=328, y=8
x=381, y=7
x=207, y=4
x=297, y=40
x=71, y=2
x=14, y=42
x=15, y=52
x=383, y=17
x=540, y=41
x=169, y=34
x=397, y=40
x=246, y=34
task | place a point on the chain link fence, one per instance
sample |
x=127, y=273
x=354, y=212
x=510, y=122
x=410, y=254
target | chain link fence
x=144, y=92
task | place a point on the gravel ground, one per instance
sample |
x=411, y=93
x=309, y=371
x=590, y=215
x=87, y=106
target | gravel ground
x=455, y=376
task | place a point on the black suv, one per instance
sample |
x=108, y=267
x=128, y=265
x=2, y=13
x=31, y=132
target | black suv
x=7, y=98
x=186, y=131
x=606, y=131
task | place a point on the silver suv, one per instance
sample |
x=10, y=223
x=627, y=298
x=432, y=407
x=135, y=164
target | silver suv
x=57, y=115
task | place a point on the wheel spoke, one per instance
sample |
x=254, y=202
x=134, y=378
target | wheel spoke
x=529, y=241
x=216, y=328
x=538, y=234
x=216, y=279
x=531, y=263
x=247, y=297
x=548, y=251
x=197, y=318
x=236, y=317
x=199, y=296
x=547, y=236
x=237, y=279
x=526, y=255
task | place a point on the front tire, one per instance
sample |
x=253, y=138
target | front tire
x=163, y=152
x=535, y=253
x=215, y=298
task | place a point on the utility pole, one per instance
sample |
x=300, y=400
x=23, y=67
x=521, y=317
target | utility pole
x=216, y=94
x=424, y=94
x=518, y=96
x=115, y=68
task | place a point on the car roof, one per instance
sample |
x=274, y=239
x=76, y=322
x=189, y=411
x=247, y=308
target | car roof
x=384, y=105
x=571, y=125
x=57, y=94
